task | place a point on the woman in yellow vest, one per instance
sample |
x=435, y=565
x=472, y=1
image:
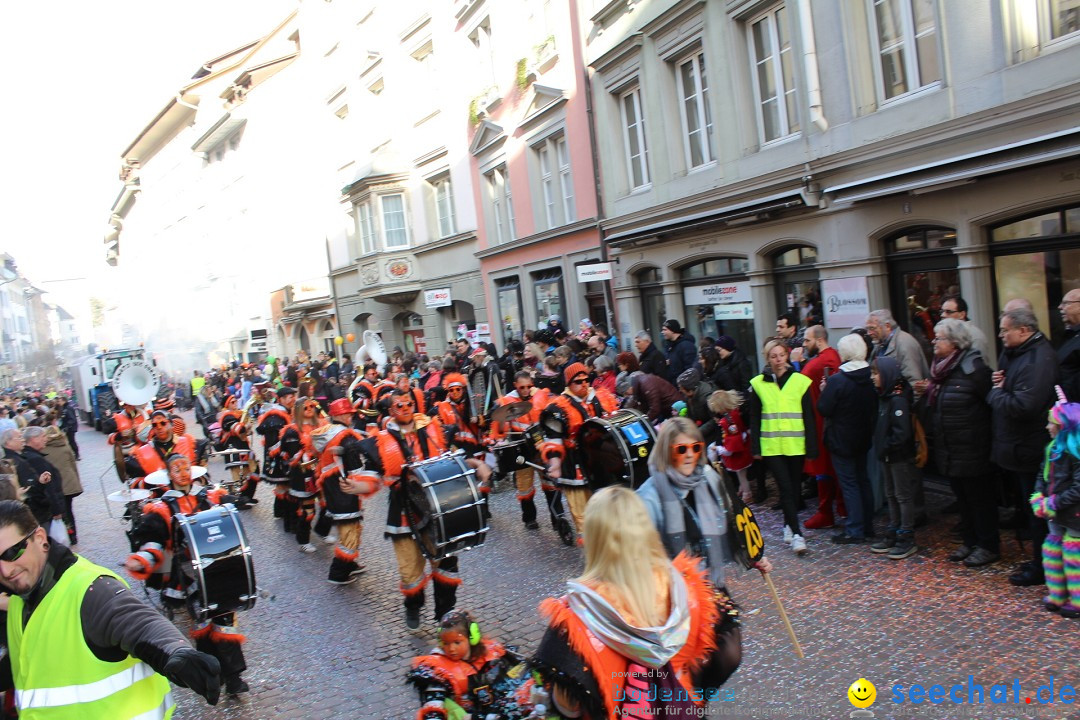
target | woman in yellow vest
x=73, y=631
x=782, y=431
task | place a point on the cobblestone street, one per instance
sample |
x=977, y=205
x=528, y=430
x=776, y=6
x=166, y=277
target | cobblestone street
x=322, y=651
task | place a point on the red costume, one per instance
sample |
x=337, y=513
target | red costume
x=821, y=466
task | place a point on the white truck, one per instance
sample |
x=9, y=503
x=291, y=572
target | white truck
x=91, y=378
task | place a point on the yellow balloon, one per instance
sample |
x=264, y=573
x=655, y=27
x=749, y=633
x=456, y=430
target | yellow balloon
x=350, y=337
x=339, y=340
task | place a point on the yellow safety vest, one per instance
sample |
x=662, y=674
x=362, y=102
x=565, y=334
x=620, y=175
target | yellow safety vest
x=782, y=429
x=57, y=676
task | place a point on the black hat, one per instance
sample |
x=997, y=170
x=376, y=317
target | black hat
x=286, y=391
x=726, y=342
x=673, y=325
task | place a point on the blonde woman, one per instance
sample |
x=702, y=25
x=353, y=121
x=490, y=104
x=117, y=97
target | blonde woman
x=636, y=627
x=781, y=411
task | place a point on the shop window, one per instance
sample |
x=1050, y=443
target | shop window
x=922, y=273
x=1045, y=225
x=508, y=301
x=717, y=300
x=714, y=267
x=794, y=257
x=549, y=296
x=923, y=238
x=653, y=310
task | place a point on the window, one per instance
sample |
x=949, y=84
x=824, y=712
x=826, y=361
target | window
x=905, y=38
x=794, y=257
x=562, y=153
x=712, y=268
x=696, y=114
x=1061, y=18
x=925, y=238
x=444, y=206
x=508, y=296
x=393, y=217
x=366, y=227
x=556, y=184
x=549, y=294
x=774, y=78
x=502, y=210
x=637, y=153
x=481, y=40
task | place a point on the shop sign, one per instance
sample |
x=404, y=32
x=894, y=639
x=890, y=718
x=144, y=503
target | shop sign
x=437, y=298
x=720, y=293
x=846, y=302
x=734, y=311
x=594, y=272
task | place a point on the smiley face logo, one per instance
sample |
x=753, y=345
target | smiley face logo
x=862, y=693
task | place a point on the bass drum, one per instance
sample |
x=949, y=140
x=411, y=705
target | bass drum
x=447, y=513
x=221, y=572
x=614, y=450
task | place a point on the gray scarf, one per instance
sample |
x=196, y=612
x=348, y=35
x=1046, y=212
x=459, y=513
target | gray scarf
x=650, y=646
x=709, y=512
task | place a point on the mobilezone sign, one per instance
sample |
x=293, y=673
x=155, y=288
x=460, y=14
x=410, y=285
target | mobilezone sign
x=718, y=294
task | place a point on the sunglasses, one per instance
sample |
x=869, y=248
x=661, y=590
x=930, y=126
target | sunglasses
x=16, y=551
x=404, y=405
x=524, y=387
x=165, y=423
x=456, y=388
x=682, y=448
x=579, y=381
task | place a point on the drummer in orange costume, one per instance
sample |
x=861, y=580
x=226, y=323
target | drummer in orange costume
x=456, y=415
x=155, y=563
x=562, y=419
x=409, y=437
x=525, y=391
x=163, y=443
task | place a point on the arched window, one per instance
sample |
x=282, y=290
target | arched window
x=652, y=300
x=796, y=278
x=922, y=272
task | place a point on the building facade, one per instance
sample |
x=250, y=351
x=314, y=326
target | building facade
x=830, y=158
x=402, y=245
x=531, y=155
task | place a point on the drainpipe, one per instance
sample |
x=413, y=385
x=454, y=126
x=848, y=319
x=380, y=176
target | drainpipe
x=810, y=66
x=609, y=298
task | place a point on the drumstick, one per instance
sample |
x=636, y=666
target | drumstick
x=783, y=615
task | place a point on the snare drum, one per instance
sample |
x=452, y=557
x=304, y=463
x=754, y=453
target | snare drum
x=219, y=566
x=236, y=458
x=615, y=449
x=447, y=513
x=507, y=452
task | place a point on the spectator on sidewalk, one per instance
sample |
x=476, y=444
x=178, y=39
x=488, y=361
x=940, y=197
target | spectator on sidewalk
x=650, y=359
x=1068, y=353
x=783, y=434
x=1022, y=393
x=894, y=445
x=901, y=346
x=680, y=349
x=849, y=405
x=821, y=361
x=696, y=394
x=954, y=307
x=653, y=396
x=959, y=430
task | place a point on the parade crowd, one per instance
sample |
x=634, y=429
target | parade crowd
x=642, y=458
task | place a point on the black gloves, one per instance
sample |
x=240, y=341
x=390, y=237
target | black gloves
x=187, y=667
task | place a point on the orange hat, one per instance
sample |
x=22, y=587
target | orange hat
x=341, y=406
x=179, y=427
x=123, y=422
x=574, y=370
x=453, y=379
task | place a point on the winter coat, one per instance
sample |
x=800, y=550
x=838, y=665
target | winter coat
x=1019, y=407
x=894, y=432
x=959, y=419
x=814, y=368
x=1068, y=357
x=906, y=351
x=849, y=405
x=697, y=409
x=1061, y=481
x=54, y=489
x=654, y=396
x=60, y=454
x=680, y=353
x=653, y=362
x=733, y=372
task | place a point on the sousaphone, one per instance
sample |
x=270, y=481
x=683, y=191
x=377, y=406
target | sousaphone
x=372, y=350
x=135, y=383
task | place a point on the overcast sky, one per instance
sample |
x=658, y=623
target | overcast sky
x=81, y=79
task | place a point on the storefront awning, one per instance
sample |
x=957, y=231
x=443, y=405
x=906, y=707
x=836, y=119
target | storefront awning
x=742, y=211
x=960, y=169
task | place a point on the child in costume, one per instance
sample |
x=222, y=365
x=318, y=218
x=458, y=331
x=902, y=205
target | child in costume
x=1057, y=500
x=733, y=448
x=472, y=676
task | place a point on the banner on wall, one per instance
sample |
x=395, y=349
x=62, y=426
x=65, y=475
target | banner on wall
x=846, y=302
x=437, y=298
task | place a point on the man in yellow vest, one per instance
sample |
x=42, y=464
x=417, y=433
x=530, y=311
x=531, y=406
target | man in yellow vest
x=80, y=643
